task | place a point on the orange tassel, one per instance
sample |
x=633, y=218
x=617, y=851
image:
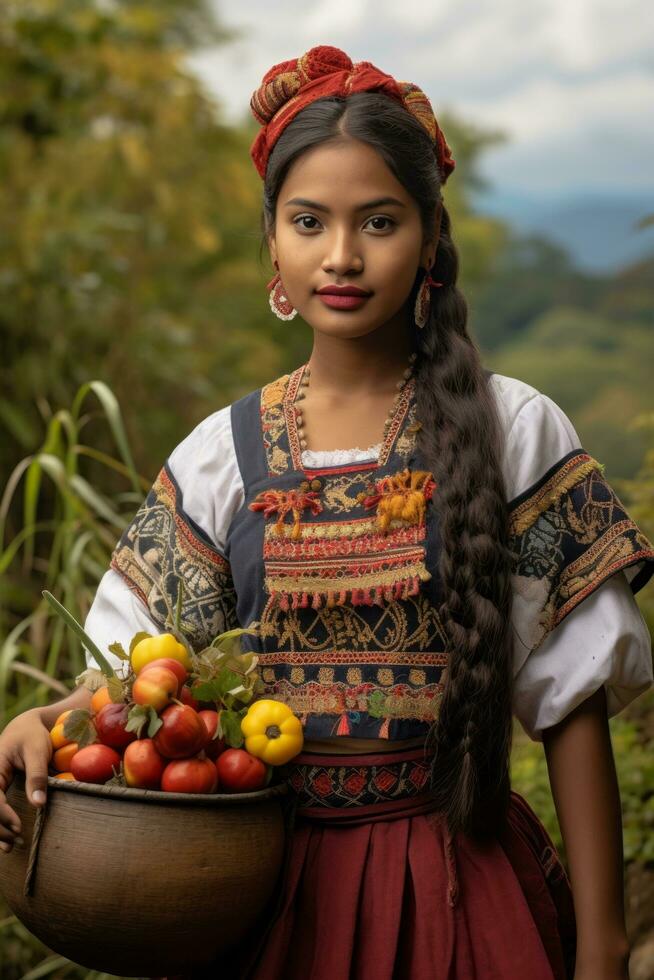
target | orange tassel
x=383, y=731
x=343, y=725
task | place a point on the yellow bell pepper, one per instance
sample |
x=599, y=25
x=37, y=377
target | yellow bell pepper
x=272, y=732
x=153, y=647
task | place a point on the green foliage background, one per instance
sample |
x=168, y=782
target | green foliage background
x=129, y=254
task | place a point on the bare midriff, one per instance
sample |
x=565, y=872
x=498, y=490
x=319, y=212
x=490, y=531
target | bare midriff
x=342, y=745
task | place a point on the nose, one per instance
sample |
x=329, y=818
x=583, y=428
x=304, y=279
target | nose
x=342, y=255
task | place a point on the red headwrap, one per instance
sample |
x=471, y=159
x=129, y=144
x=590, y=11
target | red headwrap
x=290, y=86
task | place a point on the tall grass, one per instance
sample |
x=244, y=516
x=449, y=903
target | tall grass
x=65, y=551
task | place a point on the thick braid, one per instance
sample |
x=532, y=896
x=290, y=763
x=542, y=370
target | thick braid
x=461, y=439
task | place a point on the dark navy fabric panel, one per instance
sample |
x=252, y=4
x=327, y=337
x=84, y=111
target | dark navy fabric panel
x=246, y=432
x=245, y=559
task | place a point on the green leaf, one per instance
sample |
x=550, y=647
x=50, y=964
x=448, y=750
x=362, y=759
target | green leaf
x=207, y=691
x=115, y=690
x=232, y=726
x=118, y=650
x=178, y=610
x=376, y=704
x=86, y=640
x=154, y=723
x=137, y=717
x=79, y=728
x=227, y=680
x=137, y=639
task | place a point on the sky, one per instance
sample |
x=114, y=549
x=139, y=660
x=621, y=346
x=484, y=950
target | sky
x=570, y=82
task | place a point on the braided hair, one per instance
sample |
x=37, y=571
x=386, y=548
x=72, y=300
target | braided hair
x=461, y=442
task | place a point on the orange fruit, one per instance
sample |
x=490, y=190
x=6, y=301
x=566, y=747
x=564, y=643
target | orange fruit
x=57, y=736
x=99, y=699
x=64, y=775
x=62, y=717
x=61, y=758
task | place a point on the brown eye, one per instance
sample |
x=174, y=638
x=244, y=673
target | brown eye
x=305, y=217
x=381, y=217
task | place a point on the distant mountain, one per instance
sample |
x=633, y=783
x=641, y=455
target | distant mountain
x=598, y=230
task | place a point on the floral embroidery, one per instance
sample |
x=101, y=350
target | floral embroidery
x=569, y=533
x=284, y=501
x=402, y=496
x=162, y=547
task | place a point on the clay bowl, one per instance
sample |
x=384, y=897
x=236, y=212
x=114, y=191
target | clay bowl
x=142, y=883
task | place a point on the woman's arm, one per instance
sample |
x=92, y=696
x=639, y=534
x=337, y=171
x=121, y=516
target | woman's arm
x=586, y=796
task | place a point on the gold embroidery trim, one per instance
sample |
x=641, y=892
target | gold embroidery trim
x=572, y=473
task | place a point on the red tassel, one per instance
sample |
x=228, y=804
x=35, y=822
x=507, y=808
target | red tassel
x=383, y=731
x=343, y=725
x=398, y=590
x=304, y=601
x=377, y=597
x=295, y=601
x=342, y=597
x=367, y=597
x=283, y=602
x=316, y=602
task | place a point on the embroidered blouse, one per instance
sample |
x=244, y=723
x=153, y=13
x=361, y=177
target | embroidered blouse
x=334, y=555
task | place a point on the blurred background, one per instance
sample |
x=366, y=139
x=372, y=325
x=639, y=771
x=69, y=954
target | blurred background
x=133, y=299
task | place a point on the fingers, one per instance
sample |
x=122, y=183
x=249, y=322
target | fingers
x=9, y=824
x=36, y=775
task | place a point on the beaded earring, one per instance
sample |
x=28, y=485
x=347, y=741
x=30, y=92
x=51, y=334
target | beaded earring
x=423, y=298
x=279, y=301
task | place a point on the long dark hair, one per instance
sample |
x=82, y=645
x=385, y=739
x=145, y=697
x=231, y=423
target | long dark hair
x=461, y=441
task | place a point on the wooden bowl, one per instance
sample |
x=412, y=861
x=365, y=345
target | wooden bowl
x=143, y=883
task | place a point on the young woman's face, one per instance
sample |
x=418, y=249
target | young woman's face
x=343, y=219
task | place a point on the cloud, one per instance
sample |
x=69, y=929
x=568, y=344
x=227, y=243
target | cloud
x=571, y=80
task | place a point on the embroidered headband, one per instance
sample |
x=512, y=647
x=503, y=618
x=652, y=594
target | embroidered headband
x=291, y=85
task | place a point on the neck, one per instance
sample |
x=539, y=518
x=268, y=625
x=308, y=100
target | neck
x=350, y=367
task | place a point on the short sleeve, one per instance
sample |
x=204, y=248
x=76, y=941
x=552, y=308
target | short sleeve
x=178, y=536
x=578, y=560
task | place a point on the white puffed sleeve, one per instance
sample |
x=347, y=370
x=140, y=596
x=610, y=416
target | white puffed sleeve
x=578, y=560
x=177, y=535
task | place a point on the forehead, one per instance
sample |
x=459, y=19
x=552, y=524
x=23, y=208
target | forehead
x=339, y=173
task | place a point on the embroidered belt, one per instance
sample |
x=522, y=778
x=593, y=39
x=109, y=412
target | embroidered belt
x=359, y=788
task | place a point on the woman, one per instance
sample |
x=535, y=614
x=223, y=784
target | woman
x=468, y=562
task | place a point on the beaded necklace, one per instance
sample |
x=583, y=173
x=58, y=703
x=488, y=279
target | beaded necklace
x=304, y=384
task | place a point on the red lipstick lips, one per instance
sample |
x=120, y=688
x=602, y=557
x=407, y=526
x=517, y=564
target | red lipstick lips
x=343, y=297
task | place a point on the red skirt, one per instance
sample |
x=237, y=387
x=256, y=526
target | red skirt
x=374, y=886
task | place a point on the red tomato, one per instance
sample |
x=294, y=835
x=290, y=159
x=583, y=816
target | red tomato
x=110, y=724
x=178, y=669
x=142, y=765
x=189, y=776
x=183, y=733
x=186, y=697
x=94, y=764
x=214, y=746
x=240, y=772
x=157, y=687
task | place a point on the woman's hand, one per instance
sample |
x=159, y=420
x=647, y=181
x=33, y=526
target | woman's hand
x=24, y=744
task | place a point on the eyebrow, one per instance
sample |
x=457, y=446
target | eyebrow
x=304, y=202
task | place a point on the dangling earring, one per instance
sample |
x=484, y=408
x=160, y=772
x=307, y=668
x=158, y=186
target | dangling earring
x=423, y=298
x=279, y=301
